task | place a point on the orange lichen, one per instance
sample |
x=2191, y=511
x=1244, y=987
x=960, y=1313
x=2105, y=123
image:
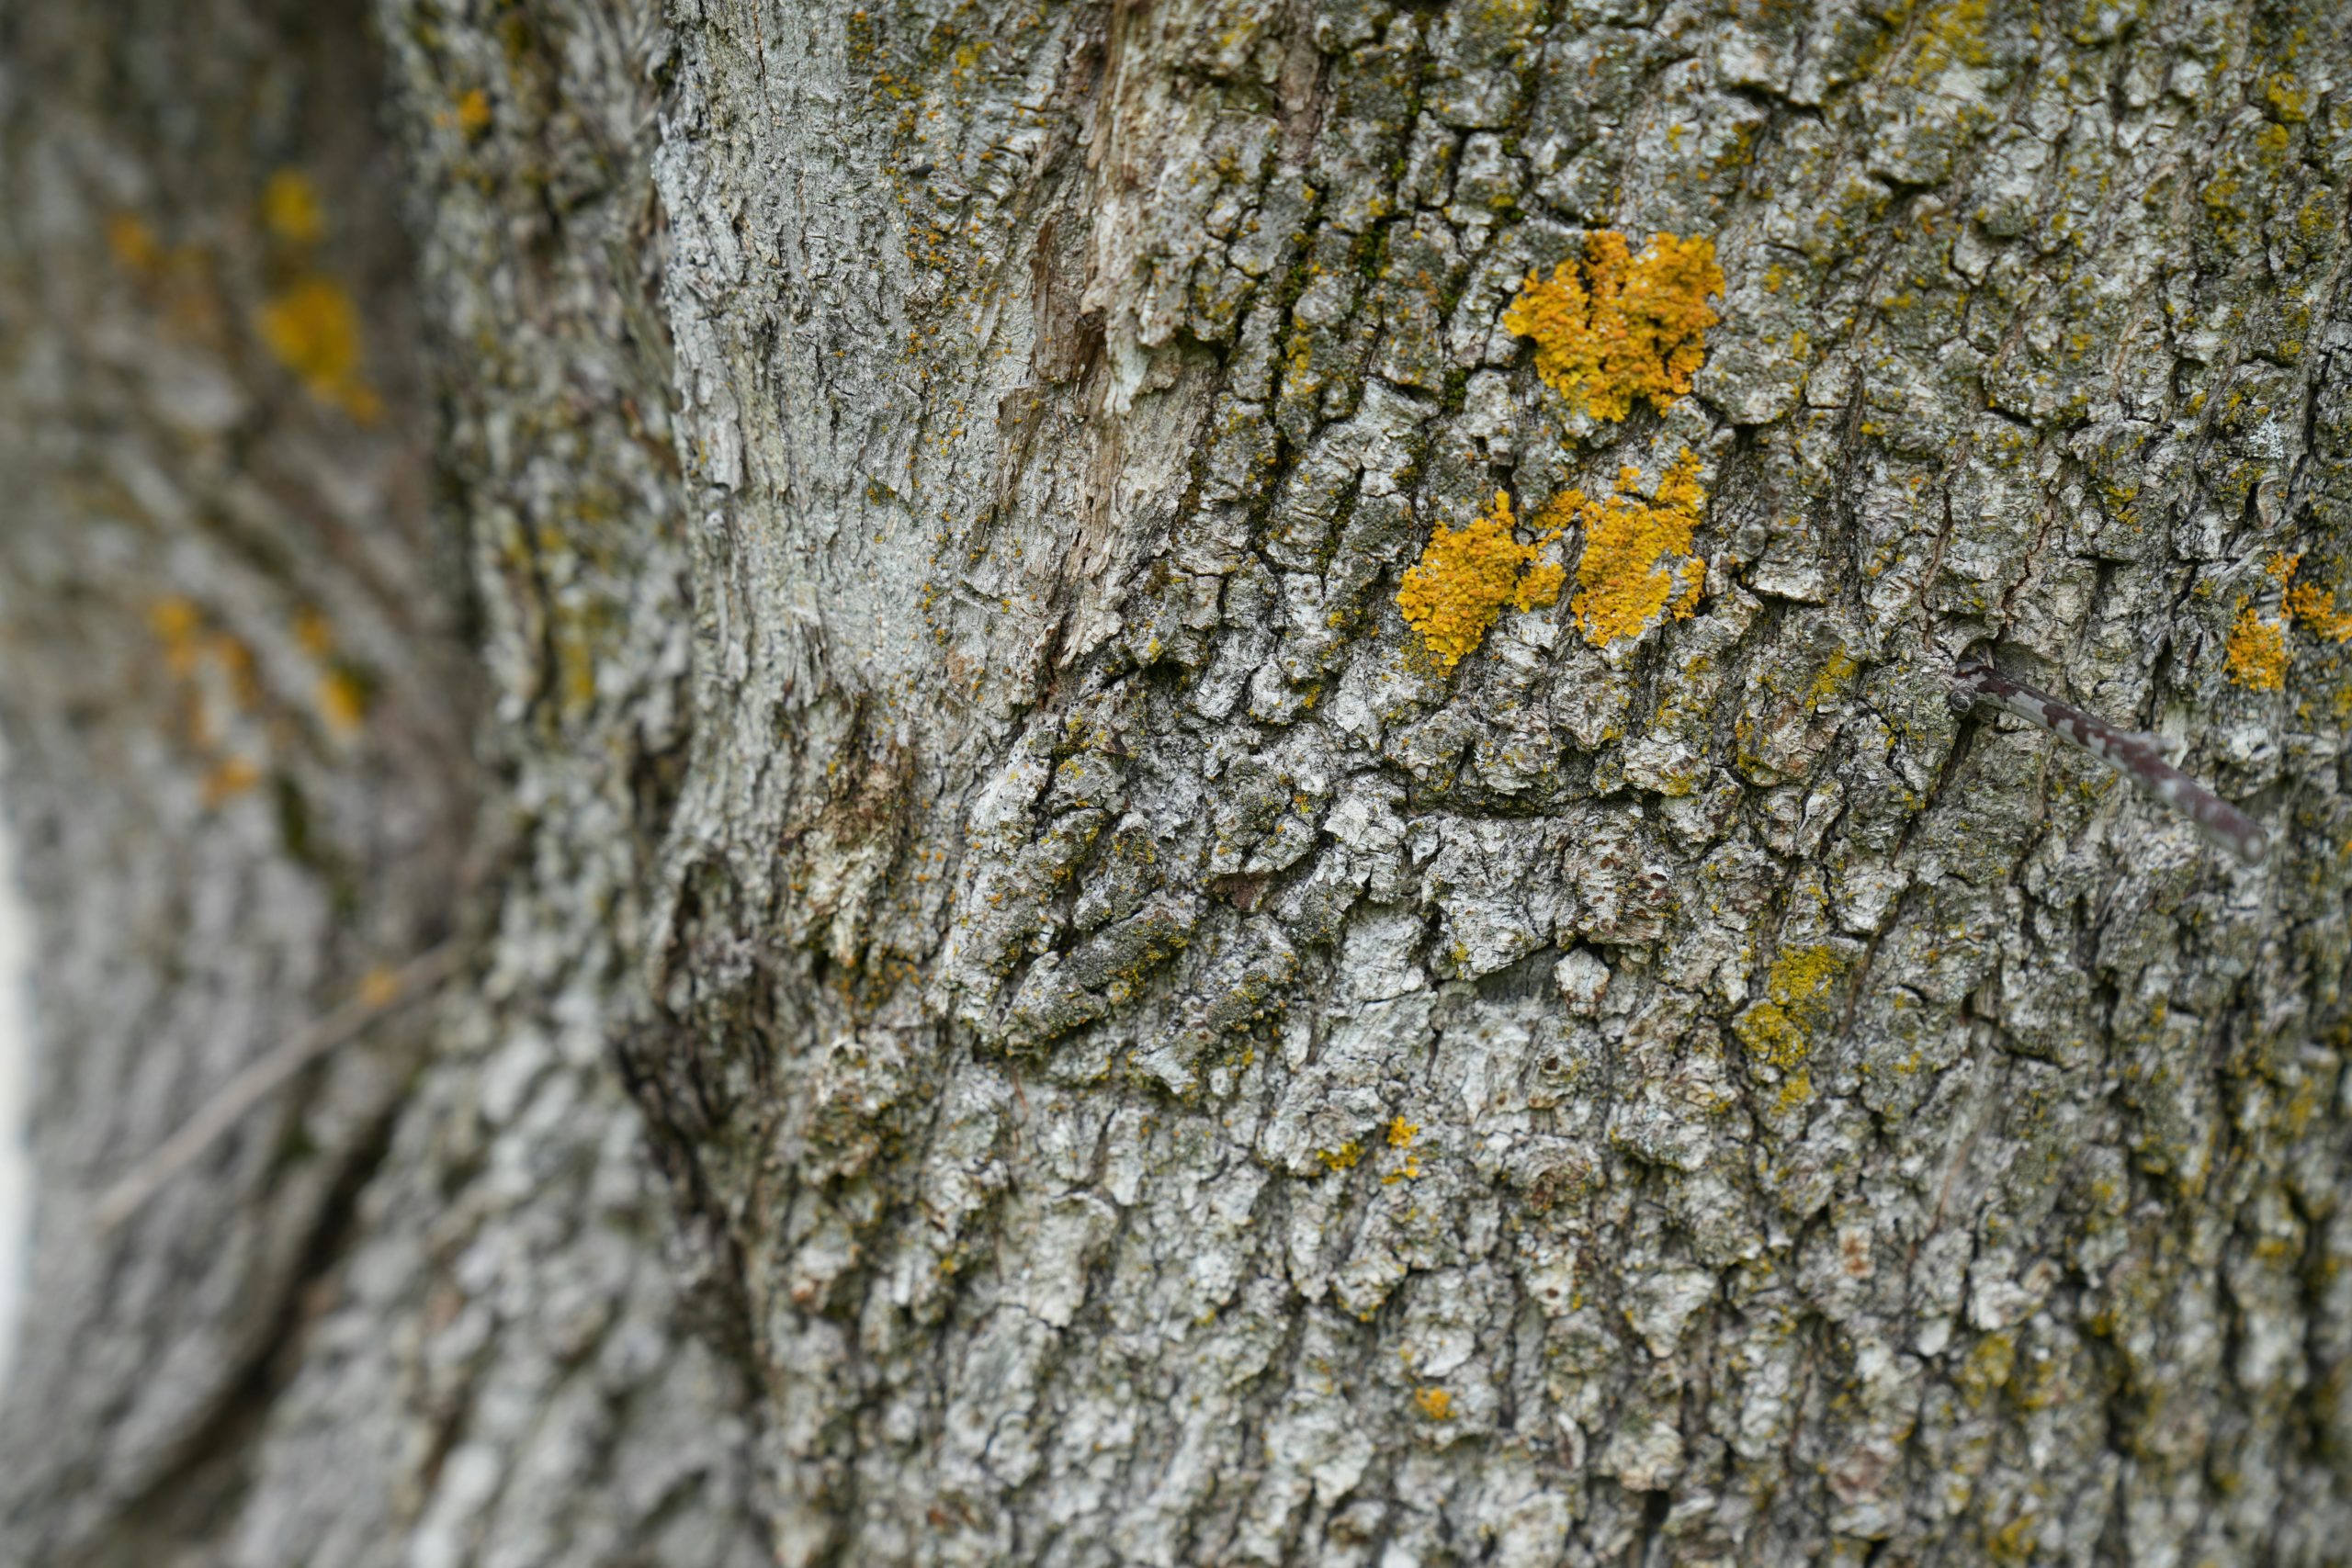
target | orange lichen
x=1620, y=326
x=343, y=701
x=228, y=778
x=1435, y=1403
x=290, y=210
x=2256, y=653
x=1401, y=1134
x=1468, y=576
x=473, y=112
x=2315, y=608
x=1637, y=563
x=206, y=665
x=341, y=694
x=133, y=243
x=313, y=327
x=176, y=623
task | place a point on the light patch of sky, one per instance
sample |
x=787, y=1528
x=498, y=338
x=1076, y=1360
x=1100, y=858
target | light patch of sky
x=16, y=1074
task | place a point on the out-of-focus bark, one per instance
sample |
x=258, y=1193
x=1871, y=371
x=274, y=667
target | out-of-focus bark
x=343, y=617
x=1146, y=1065
x=237, y=699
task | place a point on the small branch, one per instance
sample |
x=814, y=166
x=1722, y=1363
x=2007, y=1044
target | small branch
x=2138, y=756
x=256, y=1081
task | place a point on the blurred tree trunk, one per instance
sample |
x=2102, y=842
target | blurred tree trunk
x=843, y=559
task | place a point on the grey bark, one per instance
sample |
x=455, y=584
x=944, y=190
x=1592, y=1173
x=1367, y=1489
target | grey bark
x=1011, y=1016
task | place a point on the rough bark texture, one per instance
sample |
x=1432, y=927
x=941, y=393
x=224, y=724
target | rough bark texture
x=1144, y=1063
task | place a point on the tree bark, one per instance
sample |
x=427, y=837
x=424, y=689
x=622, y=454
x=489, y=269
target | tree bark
x=1012, y=1009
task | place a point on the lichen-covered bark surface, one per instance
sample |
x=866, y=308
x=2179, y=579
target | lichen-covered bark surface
x=1149, y=1062
x=1189, y=1078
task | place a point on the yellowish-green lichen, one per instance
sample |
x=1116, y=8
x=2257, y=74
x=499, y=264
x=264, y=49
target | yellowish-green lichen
x=1778, y=1030
x=290, y=210
x=1618, y=326
x=1835, y=672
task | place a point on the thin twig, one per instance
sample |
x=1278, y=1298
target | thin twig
x=256, y=1081
x=2138, y=756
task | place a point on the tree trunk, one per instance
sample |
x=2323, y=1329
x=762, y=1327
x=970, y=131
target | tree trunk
x=1065, y=952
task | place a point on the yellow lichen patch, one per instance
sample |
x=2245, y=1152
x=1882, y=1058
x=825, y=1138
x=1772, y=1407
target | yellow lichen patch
x=343, y=701
x=1344, y=1158
x=1955, y=36
x=378, y=988
x=314, y=633
x=473, y=112
x=341, y=694
x=313, y=327
x=176, y=623
x=1834, y=673
x=207, y=665
x=235, y=659
x=2315, y=608
x=1637, y=563
x=2256, y=653
x=1468, y=576
x=1987, y=1366
x=1620, y=326
x=1435, y=1403
x=1401, y=1134
x=290, y=210
x=133, y=243
x=1778, y=1030
x=228, y=778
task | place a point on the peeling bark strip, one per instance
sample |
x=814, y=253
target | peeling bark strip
x=2137, y=755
